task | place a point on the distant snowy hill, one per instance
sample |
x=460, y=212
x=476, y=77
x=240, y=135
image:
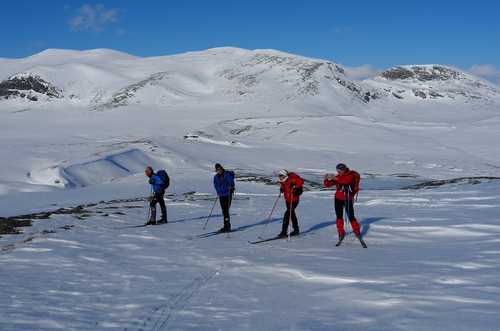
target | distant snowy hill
x=75, y=119
x=435, y=82
x=106, y=79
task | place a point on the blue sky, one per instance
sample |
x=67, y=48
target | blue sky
x=365, y=36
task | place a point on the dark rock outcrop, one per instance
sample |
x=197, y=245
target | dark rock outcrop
x=21, y=86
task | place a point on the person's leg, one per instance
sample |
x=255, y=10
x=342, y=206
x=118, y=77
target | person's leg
x=339, y=212
x=295, y=221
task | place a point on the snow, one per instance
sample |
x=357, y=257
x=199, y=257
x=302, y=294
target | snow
x=433, y=255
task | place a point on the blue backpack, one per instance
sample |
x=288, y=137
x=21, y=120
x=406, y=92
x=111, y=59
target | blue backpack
x=164, y=176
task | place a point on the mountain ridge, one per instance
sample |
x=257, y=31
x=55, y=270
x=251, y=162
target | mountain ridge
x=105, y=79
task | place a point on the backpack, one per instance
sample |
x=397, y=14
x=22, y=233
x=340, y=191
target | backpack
x=164, y=176
x=357, y=179
x=231, y=173
x=297, y=191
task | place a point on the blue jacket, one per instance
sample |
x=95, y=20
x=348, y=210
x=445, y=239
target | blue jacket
x=223, y=184
x=157, y=184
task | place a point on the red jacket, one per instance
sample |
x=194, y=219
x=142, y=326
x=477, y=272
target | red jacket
x=344, y=183
x=288, y=190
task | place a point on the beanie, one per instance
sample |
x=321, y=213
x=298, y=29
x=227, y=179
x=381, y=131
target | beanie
x=283, y=172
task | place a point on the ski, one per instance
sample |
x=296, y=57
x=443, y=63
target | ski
x=262, y=240
x=133, y=226
x=362, y=242
x=140, y=225
x=209, y=234
x=340, y=241
x=359, y=238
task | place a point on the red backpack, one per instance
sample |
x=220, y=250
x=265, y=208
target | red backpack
x=357, y=179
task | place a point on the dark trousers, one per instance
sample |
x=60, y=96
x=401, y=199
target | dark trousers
x=286, y=217
x=158, y=198
x=348, y=205
x=349, y=208
x=225, y=203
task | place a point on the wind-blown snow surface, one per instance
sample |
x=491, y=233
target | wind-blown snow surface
x=433, y=251
x=432, y=262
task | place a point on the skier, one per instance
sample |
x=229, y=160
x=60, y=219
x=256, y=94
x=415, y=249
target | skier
x=344, y=181
x=291, y=186
x=158, y=190
x=224, y=186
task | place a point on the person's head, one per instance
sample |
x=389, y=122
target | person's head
x=341, y=168
x=283, y=175
x=218, y=168
x=149, y=171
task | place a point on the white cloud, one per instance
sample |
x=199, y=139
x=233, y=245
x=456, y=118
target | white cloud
x=362, y=72
x=486, y=71
x=343, y=30
x=93, y=18
x=36, y=44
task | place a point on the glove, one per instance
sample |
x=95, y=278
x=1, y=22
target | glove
x=292, y=185
x=152, y=181
x=281, y=190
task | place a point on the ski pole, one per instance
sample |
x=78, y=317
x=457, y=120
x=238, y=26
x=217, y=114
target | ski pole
x=229, y=206
x=149, y=203
x=272, y=210
x=210, y=212
x=347, y=222
x=290, y=218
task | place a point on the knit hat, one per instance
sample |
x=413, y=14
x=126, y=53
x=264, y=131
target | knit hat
x=283, y=172
x=218, y=166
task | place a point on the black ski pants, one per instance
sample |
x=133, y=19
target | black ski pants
x=286, y=217
x=349, y=209
x=225, y=204
x=158, y=198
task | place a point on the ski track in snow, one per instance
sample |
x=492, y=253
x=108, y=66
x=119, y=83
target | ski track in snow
x=159, y=317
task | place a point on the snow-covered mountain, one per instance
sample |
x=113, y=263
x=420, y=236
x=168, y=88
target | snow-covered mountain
x=104, y=79
x=435, y=82
x=74, y=119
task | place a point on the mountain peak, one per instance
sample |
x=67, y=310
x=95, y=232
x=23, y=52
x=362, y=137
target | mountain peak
x=59, y=56
x=435, y=81
x=421, y=73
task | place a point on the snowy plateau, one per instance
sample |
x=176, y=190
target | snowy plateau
x=78, y=129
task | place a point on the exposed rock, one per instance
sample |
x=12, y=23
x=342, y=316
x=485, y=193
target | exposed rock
x=421, y=73
x=27, y=86
x=436, y=82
